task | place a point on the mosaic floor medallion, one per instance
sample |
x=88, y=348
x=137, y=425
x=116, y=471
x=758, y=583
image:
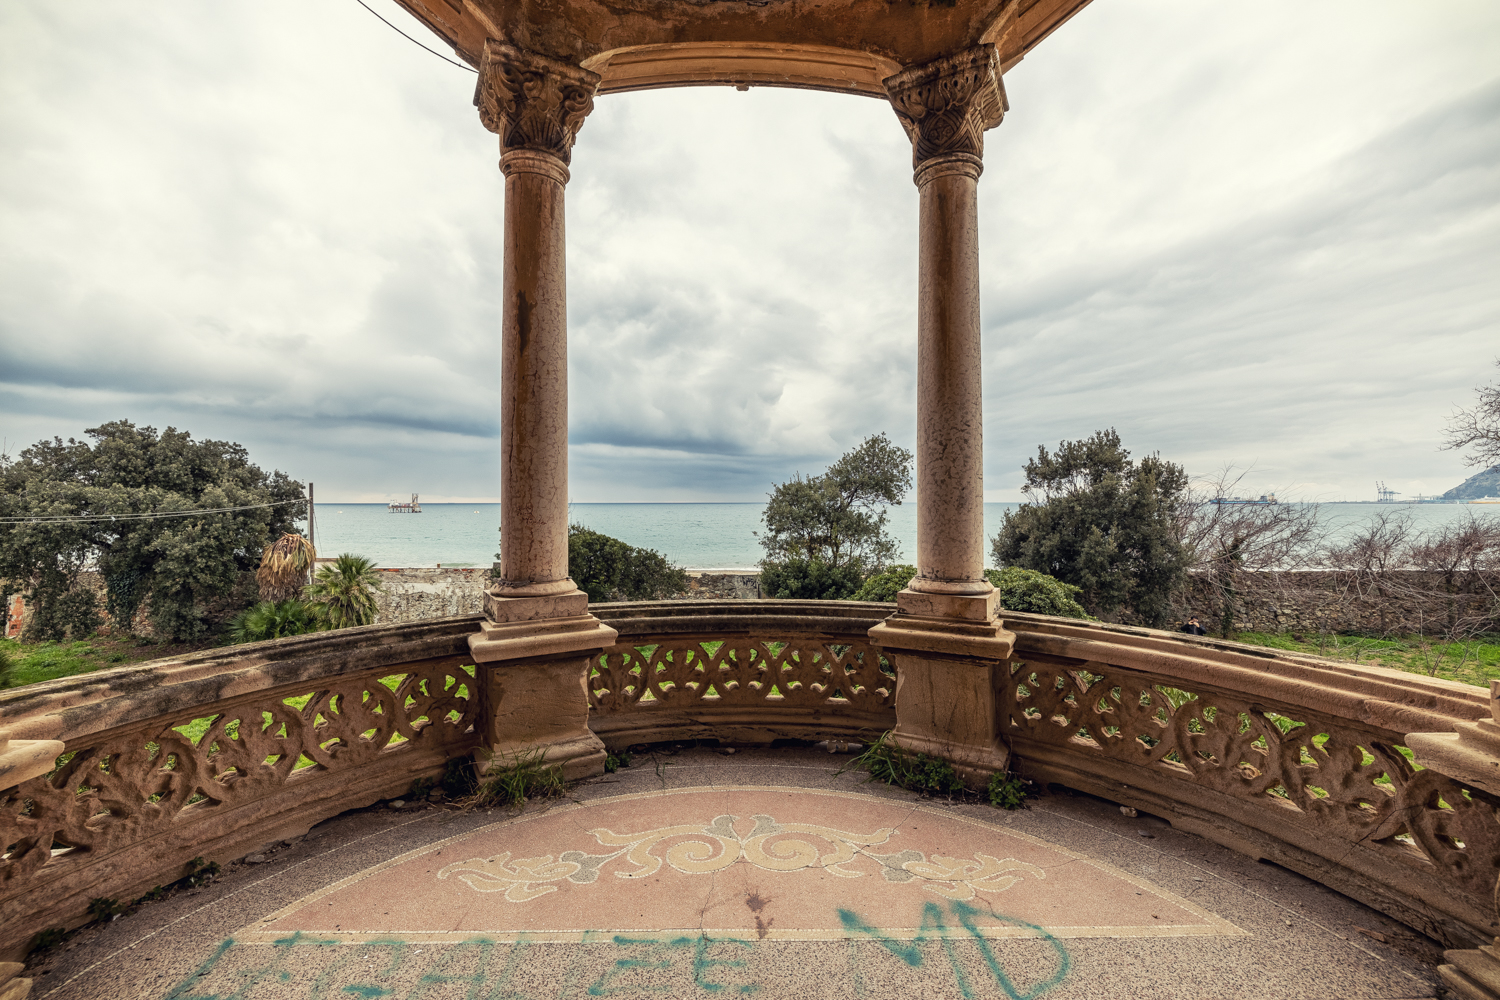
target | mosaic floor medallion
x=768, y=863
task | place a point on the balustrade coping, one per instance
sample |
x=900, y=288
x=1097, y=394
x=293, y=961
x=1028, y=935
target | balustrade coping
x=1382, y=696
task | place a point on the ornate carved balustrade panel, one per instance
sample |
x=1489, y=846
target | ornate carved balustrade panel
x=770, y=670
x=218, y=757
x=153, y=779
x=783, y=672
x=1265, y=761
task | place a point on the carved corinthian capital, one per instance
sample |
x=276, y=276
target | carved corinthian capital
x=946, y=105
x=531, y=101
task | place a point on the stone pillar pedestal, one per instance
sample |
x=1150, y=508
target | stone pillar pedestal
x=945, y=636
x=948, y=673
x=535, y=647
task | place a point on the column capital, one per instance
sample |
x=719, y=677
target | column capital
x=532, y=101
x=947, y=104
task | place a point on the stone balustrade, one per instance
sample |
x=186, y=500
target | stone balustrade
x=1292, y=759
x=216, y=754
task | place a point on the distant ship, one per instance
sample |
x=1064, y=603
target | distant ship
x=396, y=507
x=1265, y=498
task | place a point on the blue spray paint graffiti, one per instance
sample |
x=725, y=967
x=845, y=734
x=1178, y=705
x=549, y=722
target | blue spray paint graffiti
x=642, y=964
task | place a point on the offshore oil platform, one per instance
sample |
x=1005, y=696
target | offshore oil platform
x=397, y=507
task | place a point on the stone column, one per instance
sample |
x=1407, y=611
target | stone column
x=535, y=646
x=945, y=637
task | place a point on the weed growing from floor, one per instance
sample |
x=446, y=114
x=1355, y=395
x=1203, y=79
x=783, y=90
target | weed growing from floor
x=928, y=775
x=456, y=782
x=49, y=938
x=521, y=777
x=103, y=908
x=614, y=761
x=887, y=762
x=1006, y=791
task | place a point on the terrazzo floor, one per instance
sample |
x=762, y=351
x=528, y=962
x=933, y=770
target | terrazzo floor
x=767, y=872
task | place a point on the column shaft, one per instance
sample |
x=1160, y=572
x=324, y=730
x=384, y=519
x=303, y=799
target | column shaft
x=534, y=379
x=950, y=438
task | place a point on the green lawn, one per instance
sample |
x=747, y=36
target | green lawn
x=46, y=661
x=1476, y=662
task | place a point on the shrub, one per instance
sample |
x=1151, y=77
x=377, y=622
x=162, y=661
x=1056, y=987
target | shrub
x=1034, y=592
x=273, y=620
x=885, y=585
x=1097, y=518
x=608, y=569
x=809, y=580
x=7, y=667
x=70, y=614
x=457, y=781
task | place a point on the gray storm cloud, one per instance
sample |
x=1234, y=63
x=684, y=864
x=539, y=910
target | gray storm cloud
x=280, y=223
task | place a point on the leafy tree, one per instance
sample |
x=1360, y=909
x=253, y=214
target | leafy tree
x=343, y=592
x=1035, y=593
x=608, y=569
x=273, y=620
x=885, y=585
x=1103, y=523
x=67, y=506
x=1478, y=428
x=825, y=534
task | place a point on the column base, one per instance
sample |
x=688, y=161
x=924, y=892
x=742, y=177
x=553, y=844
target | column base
x=579, y=757
x=948, y=671
x=532, y=674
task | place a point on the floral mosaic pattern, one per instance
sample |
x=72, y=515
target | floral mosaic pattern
x=703, y=848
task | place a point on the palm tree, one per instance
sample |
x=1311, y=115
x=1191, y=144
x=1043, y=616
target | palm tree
x=272, y=620
x=344, y=591
x=283, y=567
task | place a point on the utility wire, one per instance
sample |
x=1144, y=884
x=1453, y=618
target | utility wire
x=73, y=519
x=404, y=35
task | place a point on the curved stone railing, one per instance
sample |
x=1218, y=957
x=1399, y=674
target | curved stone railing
x=216, y=754
x=741, y=671
x=1293, y=759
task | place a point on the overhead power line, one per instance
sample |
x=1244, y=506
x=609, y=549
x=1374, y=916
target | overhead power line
x=404, y=35
x=146, y=516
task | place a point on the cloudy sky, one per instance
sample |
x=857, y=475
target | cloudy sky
x=1261, y=234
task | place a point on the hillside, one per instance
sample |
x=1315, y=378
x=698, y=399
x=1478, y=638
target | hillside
x=1483, y=484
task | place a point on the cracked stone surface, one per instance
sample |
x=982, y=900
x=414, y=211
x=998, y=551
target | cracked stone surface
x=768, y=872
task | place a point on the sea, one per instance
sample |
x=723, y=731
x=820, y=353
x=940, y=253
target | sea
x=699, y=536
